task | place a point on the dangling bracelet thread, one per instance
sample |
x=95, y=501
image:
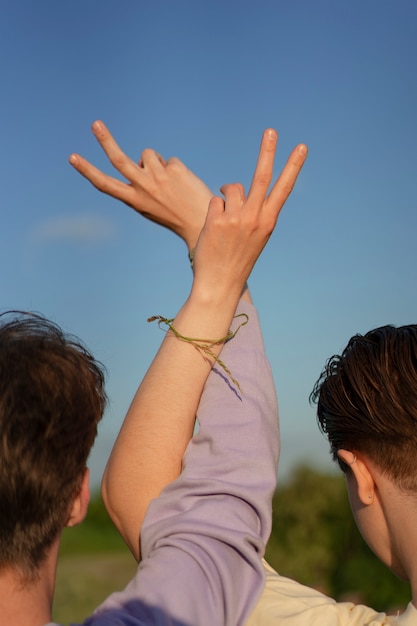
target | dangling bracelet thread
x=191, y=257
x=204, y=345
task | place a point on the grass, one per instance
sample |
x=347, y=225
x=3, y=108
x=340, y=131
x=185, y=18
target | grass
x=93, y=562
x=85, y=580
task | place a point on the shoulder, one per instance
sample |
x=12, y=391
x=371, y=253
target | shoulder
x=286, y=602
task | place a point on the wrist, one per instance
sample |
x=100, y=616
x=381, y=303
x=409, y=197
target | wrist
x=215, y=304
x=196, y=215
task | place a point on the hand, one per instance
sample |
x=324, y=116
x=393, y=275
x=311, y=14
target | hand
x=237, y=228
x=166, y=192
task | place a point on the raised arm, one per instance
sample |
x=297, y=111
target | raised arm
x=202, y=539
x=159, y=424
x=168, y=193
x=211, y=525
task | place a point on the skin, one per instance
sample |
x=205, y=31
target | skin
x=163, y=191
x=229, y=233
x=31, y=604
x=159, y=421
x=385, y=515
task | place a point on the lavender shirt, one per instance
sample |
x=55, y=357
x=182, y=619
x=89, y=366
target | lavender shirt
x=203, y=538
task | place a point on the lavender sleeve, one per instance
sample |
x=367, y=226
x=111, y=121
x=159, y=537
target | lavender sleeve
x=203, y=538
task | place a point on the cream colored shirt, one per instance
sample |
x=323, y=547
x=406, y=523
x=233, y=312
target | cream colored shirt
x=286, y=602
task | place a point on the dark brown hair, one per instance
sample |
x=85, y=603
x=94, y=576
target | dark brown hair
x=367, y=401
x=51, y=400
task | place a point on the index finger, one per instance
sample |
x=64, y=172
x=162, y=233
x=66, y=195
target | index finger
x=264, y=166
x=119, y=160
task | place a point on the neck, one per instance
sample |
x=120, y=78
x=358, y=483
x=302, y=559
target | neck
x=400, y=512
x=28, y=603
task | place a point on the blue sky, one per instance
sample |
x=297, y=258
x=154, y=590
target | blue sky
x=201, y=80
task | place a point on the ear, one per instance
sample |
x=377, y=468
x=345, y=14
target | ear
x=360, y=472
x=79, y=505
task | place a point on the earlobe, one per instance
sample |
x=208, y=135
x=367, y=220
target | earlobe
x=361, y=474
x=79, y=505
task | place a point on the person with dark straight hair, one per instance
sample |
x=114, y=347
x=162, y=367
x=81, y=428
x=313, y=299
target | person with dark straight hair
x=367, y=402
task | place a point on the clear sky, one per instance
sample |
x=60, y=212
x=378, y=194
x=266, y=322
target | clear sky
x=201, y=80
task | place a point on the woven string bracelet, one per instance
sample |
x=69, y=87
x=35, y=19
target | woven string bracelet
x=204, y=345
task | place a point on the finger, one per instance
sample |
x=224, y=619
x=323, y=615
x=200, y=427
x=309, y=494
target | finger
x=264, y=167
x=286, y=180
x=102, y=182
x=175, y=161
x=233, y=197
x=152, y=159
x=239, y=188
x=117, y=157
x=161, y=159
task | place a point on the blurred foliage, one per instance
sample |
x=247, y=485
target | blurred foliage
x=95, y=535
x=315, y=541
x=93, y=562
x=85, y=580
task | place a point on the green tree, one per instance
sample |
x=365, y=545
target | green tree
x=315, y=541
x=95, y=535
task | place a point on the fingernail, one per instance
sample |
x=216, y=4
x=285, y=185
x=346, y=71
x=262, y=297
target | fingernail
x=302, y=149
x=97, y=126
x=73, y=159
x=271, y=134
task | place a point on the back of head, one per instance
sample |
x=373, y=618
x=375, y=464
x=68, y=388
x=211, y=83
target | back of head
x=51, y=400
x=367, y=401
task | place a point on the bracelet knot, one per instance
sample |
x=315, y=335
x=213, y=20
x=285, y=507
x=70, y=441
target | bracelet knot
x=204, y=345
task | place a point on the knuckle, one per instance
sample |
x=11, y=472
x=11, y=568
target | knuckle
x=147, y=152
x=287, y=187
x=118, y=160
x=234, y=221
x=253, y=223
x=263, y=179
x=175, y=165
x=174, y=161
x=102, y=186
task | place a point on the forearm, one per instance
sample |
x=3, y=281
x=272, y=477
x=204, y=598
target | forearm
x=148, y=452
x=215, y=519
x=204, y=536
x=162, y=414
x=247, y=450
